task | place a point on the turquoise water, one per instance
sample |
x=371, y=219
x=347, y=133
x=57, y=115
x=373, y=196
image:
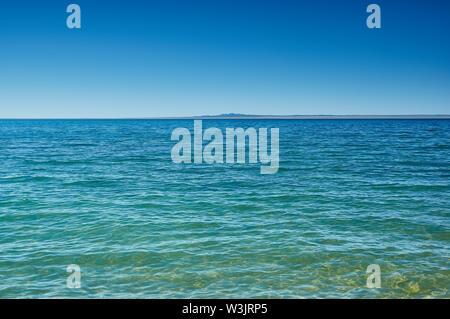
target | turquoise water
x=105, y=195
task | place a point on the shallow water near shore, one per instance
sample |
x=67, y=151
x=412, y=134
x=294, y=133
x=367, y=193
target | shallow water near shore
x=105, y=195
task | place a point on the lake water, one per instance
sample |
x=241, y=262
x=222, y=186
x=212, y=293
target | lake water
x=105, y=195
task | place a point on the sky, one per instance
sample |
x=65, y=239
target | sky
x=182, y=58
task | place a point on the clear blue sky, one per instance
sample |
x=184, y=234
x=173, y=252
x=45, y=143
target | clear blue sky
x=181, y=58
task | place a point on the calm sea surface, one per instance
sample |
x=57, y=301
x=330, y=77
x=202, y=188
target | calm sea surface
x=105, y=195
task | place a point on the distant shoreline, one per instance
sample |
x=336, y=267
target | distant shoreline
x=262, y=117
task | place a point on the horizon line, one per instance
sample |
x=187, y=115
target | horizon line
x=233, y=116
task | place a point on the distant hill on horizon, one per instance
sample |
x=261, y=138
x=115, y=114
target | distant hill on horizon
x=321, y=116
